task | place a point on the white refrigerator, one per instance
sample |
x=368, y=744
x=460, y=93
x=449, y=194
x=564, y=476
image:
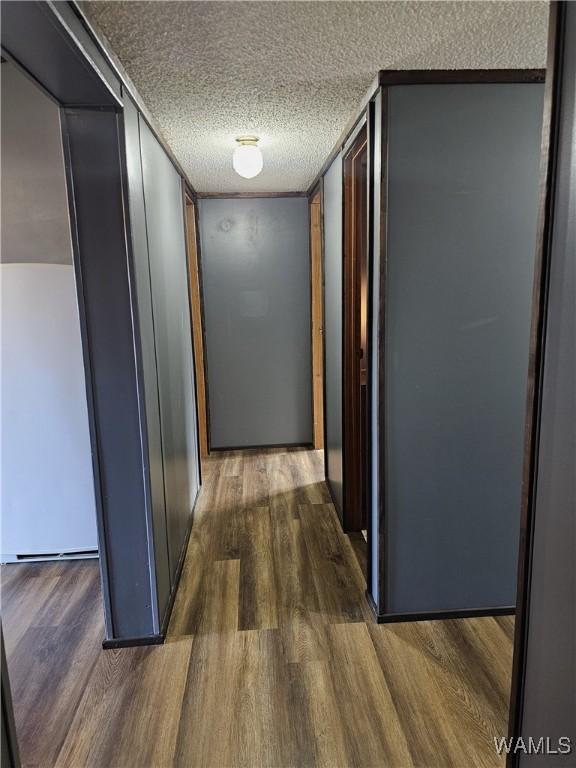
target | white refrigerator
x=48, y=508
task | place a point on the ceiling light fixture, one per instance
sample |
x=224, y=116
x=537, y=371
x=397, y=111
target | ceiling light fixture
x=247, y=158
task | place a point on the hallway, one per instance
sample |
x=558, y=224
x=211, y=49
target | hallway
x=272, y=658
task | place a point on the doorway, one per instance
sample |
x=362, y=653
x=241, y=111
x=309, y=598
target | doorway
x=355, y=320
x=52, y=613
x=45, y=423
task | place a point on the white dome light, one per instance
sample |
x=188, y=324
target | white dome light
x=247, y=158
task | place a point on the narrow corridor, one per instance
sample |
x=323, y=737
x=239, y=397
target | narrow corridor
x=272, y=658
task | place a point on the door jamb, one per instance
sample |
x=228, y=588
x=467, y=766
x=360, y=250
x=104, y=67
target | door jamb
x=351, y=390
x=317, y=317
x=198, y=326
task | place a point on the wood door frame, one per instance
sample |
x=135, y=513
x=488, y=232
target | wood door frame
x=317, y=317
x=353, y=224
x=197, y=316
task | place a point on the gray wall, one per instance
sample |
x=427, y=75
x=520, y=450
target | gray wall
x=127, y=272
x=149, y=367
x=332, y=210
x=256, y=286
x=35, y=221
x=110, y=344
x=138, y=316
x=463, y=186
x=172, y=329
x=160, y=265
x=550, y=685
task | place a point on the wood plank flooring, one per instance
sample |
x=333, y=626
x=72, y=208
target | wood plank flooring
x=272, y=658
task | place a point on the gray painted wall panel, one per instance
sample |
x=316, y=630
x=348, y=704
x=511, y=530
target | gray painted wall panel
x=34, y=35
x=115, y=311
x=35, y=220
x=110, y=341
x=463, y=184
x=256, y=285
x=68, y=18
x=172, y=328
x=550, y=684
x=149, y=372
x=332, y=210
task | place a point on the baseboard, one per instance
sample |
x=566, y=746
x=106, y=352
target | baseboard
x=56, y=557
x=161, y=636
x=132, y=642
x=217, y=449
x=464, y=613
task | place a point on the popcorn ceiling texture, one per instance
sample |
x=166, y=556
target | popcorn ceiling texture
x=294, y=73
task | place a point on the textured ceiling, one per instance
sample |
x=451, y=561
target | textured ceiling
x=293, y=73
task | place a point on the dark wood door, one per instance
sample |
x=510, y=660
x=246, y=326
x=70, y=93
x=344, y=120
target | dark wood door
x=354, y=333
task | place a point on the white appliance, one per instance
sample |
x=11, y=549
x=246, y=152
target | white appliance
x=48, y=508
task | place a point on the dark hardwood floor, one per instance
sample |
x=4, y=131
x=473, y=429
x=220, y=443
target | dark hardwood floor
x=272, y=657
x=53, y=627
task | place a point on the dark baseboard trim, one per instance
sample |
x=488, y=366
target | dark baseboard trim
x=465, y=613
x=457, y=76
x=247, y=195
x=264, y=446
x=161, y=636
x=132, y=642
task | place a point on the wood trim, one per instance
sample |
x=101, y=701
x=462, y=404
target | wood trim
x=317, y=191
x=317, y=318
x=346, y=132
x=261, y=446
x=381, y=320
x=354, y=228
x=249, y=195
x=132, y=642
x=395, y=618
x=455, y=76
x=203, y=317
x=370, y=562
x=548, y=174
x=197, y=324
x=320, y=188
x=359, y=126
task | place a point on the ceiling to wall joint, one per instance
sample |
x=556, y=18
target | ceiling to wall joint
x=292, y=73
